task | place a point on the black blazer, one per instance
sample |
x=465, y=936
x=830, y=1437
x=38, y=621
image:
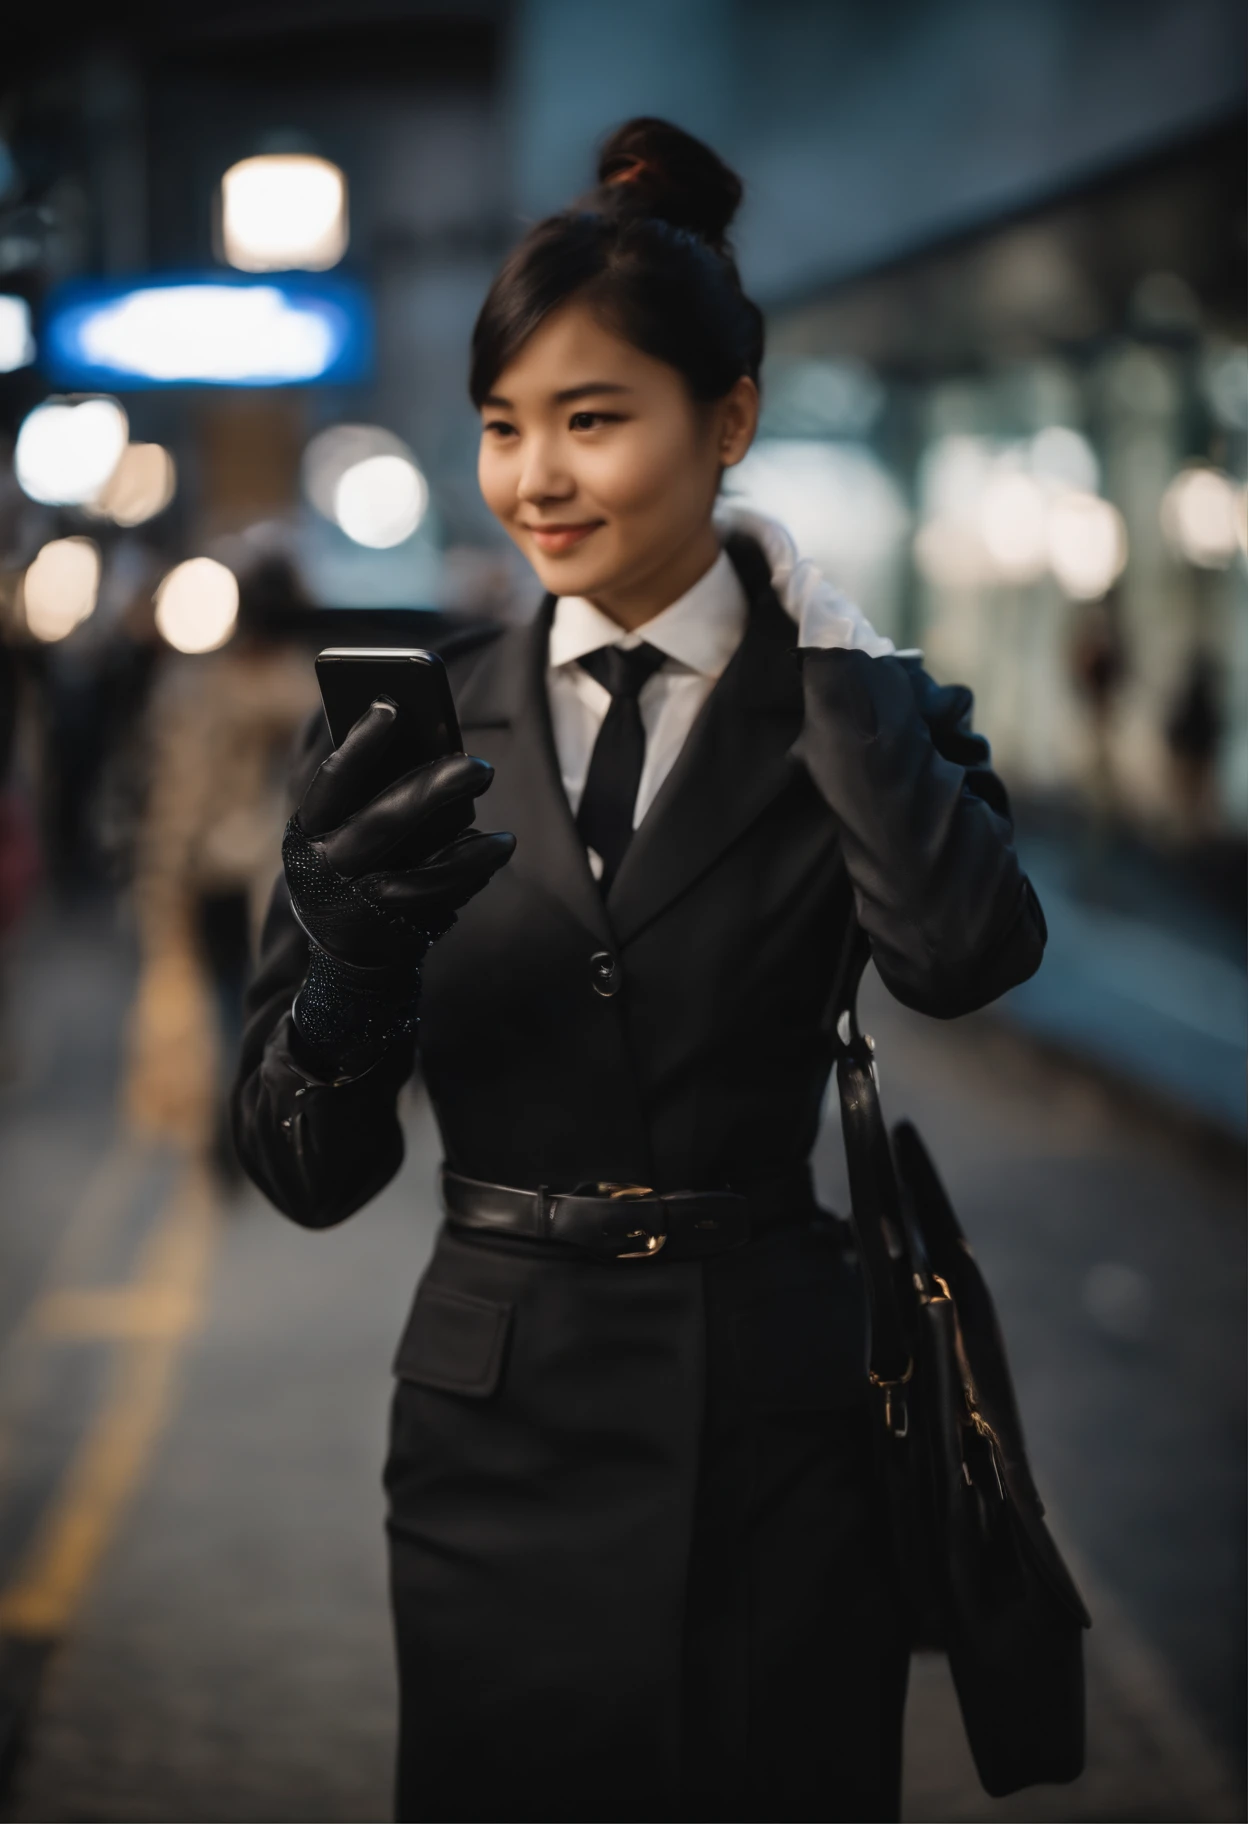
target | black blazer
x=815, y=785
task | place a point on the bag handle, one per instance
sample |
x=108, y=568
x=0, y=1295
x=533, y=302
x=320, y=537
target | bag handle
x=874, y=1196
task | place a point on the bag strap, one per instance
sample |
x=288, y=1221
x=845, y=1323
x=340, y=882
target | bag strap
x=873, y=1190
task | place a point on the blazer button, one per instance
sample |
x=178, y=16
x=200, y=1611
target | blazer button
x=605, y=973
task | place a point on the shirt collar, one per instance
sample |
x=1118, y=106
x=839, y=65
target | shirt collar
x=700, y=630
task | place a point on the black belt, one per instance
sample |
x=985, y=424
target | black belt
x=630, y=1221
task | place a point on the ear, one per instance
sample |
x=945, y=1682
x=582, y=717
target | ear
x=737, y=416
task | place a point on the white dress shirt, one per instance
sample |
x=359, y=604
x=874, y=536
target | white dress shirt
x=699, y=634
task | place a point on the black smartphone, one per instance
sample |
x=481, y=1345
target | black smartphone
x=425, y=728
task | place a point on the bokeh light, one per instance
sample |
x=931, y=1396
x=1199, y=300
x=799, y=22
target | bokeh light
x=67, y=450
x=332, y=452
x=1087, y=544
x=1225, y=377
x=1200, y=512
x=1064, y=456
x=380, y=502
x=60, y=587
x=949, y=554
x=1012, y=517
x=842, y=506
x=17, y=342
x=953, y=473
x=211, y=333
x=284, y=210
x=197, y=605
x=1012, y=513
x=142, y=485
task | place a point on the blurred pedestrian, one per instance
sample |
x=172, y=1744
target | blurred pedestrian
x=222, y=725
x=1099, y=665
x=640, y=1561
x=1193, y=737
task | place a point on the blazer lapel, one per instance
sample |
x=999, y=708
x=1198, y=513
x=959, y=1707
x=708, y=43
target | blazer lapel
x=505, y=717
x=732, y=765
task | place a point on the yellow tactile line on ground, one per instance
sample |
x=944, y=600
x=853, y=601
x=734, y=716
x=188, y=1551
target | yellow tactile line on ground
x=94, y=1313
x=109, y=1191
x=108, y=1195
x=151, y=1320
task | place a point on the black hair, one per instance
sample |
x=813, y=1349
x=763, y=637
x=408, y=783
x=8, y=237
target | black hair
x=647, y=250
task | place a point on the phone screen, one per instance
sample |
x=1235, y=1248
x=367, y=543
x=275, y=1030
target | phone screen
x=426, y=726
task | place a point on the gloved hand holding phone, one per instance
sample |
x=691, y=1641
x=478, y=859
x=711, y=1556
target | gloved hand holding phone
x=374, y=882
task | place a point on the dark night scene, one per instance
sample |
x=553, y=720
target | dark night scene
x=623, y=912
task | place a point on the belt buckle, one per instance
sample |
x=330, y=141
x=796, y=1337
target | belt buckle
x=625, y=1193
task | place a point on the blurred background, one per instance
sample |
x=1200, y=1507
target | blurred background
x=1001, y=248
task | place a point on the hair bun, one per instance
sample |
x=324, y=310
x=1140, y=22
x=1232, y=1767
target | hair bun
x=649, y=167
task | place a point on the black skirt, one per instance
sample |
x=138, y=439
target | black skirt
x=639, y=1564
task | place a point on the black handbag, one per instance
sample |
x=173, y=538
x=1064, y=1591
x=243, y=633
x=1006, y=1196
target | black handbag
x=983, y=1578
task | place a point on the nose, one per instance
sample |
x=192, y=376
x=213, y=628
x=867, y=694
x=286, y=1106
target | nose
x=542, y=475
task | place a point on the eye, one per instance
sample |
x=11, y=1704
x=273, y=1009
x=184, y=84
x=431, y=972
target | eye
x=589, y=421
x=499, y=427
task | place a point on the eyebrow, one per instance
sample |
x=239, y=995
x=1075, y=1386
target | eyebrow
x=496, y=402
x=570, y=393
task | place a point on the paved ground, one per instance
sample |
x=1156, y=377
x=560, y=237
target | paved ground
x=192, y=1407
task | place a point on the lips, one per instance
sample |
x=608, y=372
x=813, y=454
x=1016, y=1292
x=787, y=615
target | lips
x=554, y=539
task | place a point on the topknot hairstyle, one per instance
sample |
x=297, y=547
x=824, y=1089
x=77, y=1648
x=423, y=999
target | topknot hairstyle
x=671, y=177
x=648, y=251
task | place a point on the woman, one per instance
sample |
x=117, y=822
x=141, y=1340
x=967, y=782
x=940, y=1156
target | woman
x=638, y=1564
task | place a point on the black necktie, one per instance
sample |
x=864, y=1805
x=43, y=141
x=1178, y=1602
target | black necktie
x=605, y=817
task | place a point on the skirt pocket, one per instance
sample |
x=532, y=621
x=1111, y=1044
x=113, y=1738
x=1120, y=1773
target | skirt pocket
x=454, y=1342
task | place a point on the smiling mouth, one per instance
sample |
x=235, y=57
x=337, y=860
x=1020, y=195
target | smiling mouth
x=562, y=538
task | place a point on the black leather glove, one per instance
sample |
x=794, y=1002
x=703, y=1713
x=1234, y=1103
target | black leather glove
x=369, y=925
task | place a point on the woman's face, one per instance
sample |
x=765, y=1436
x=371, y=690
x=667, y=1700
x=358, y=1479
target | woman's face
x=604, y=469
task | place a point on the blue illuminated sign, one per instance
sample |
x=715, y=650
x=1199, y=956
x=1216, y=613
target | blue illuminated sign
x=218, y=329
